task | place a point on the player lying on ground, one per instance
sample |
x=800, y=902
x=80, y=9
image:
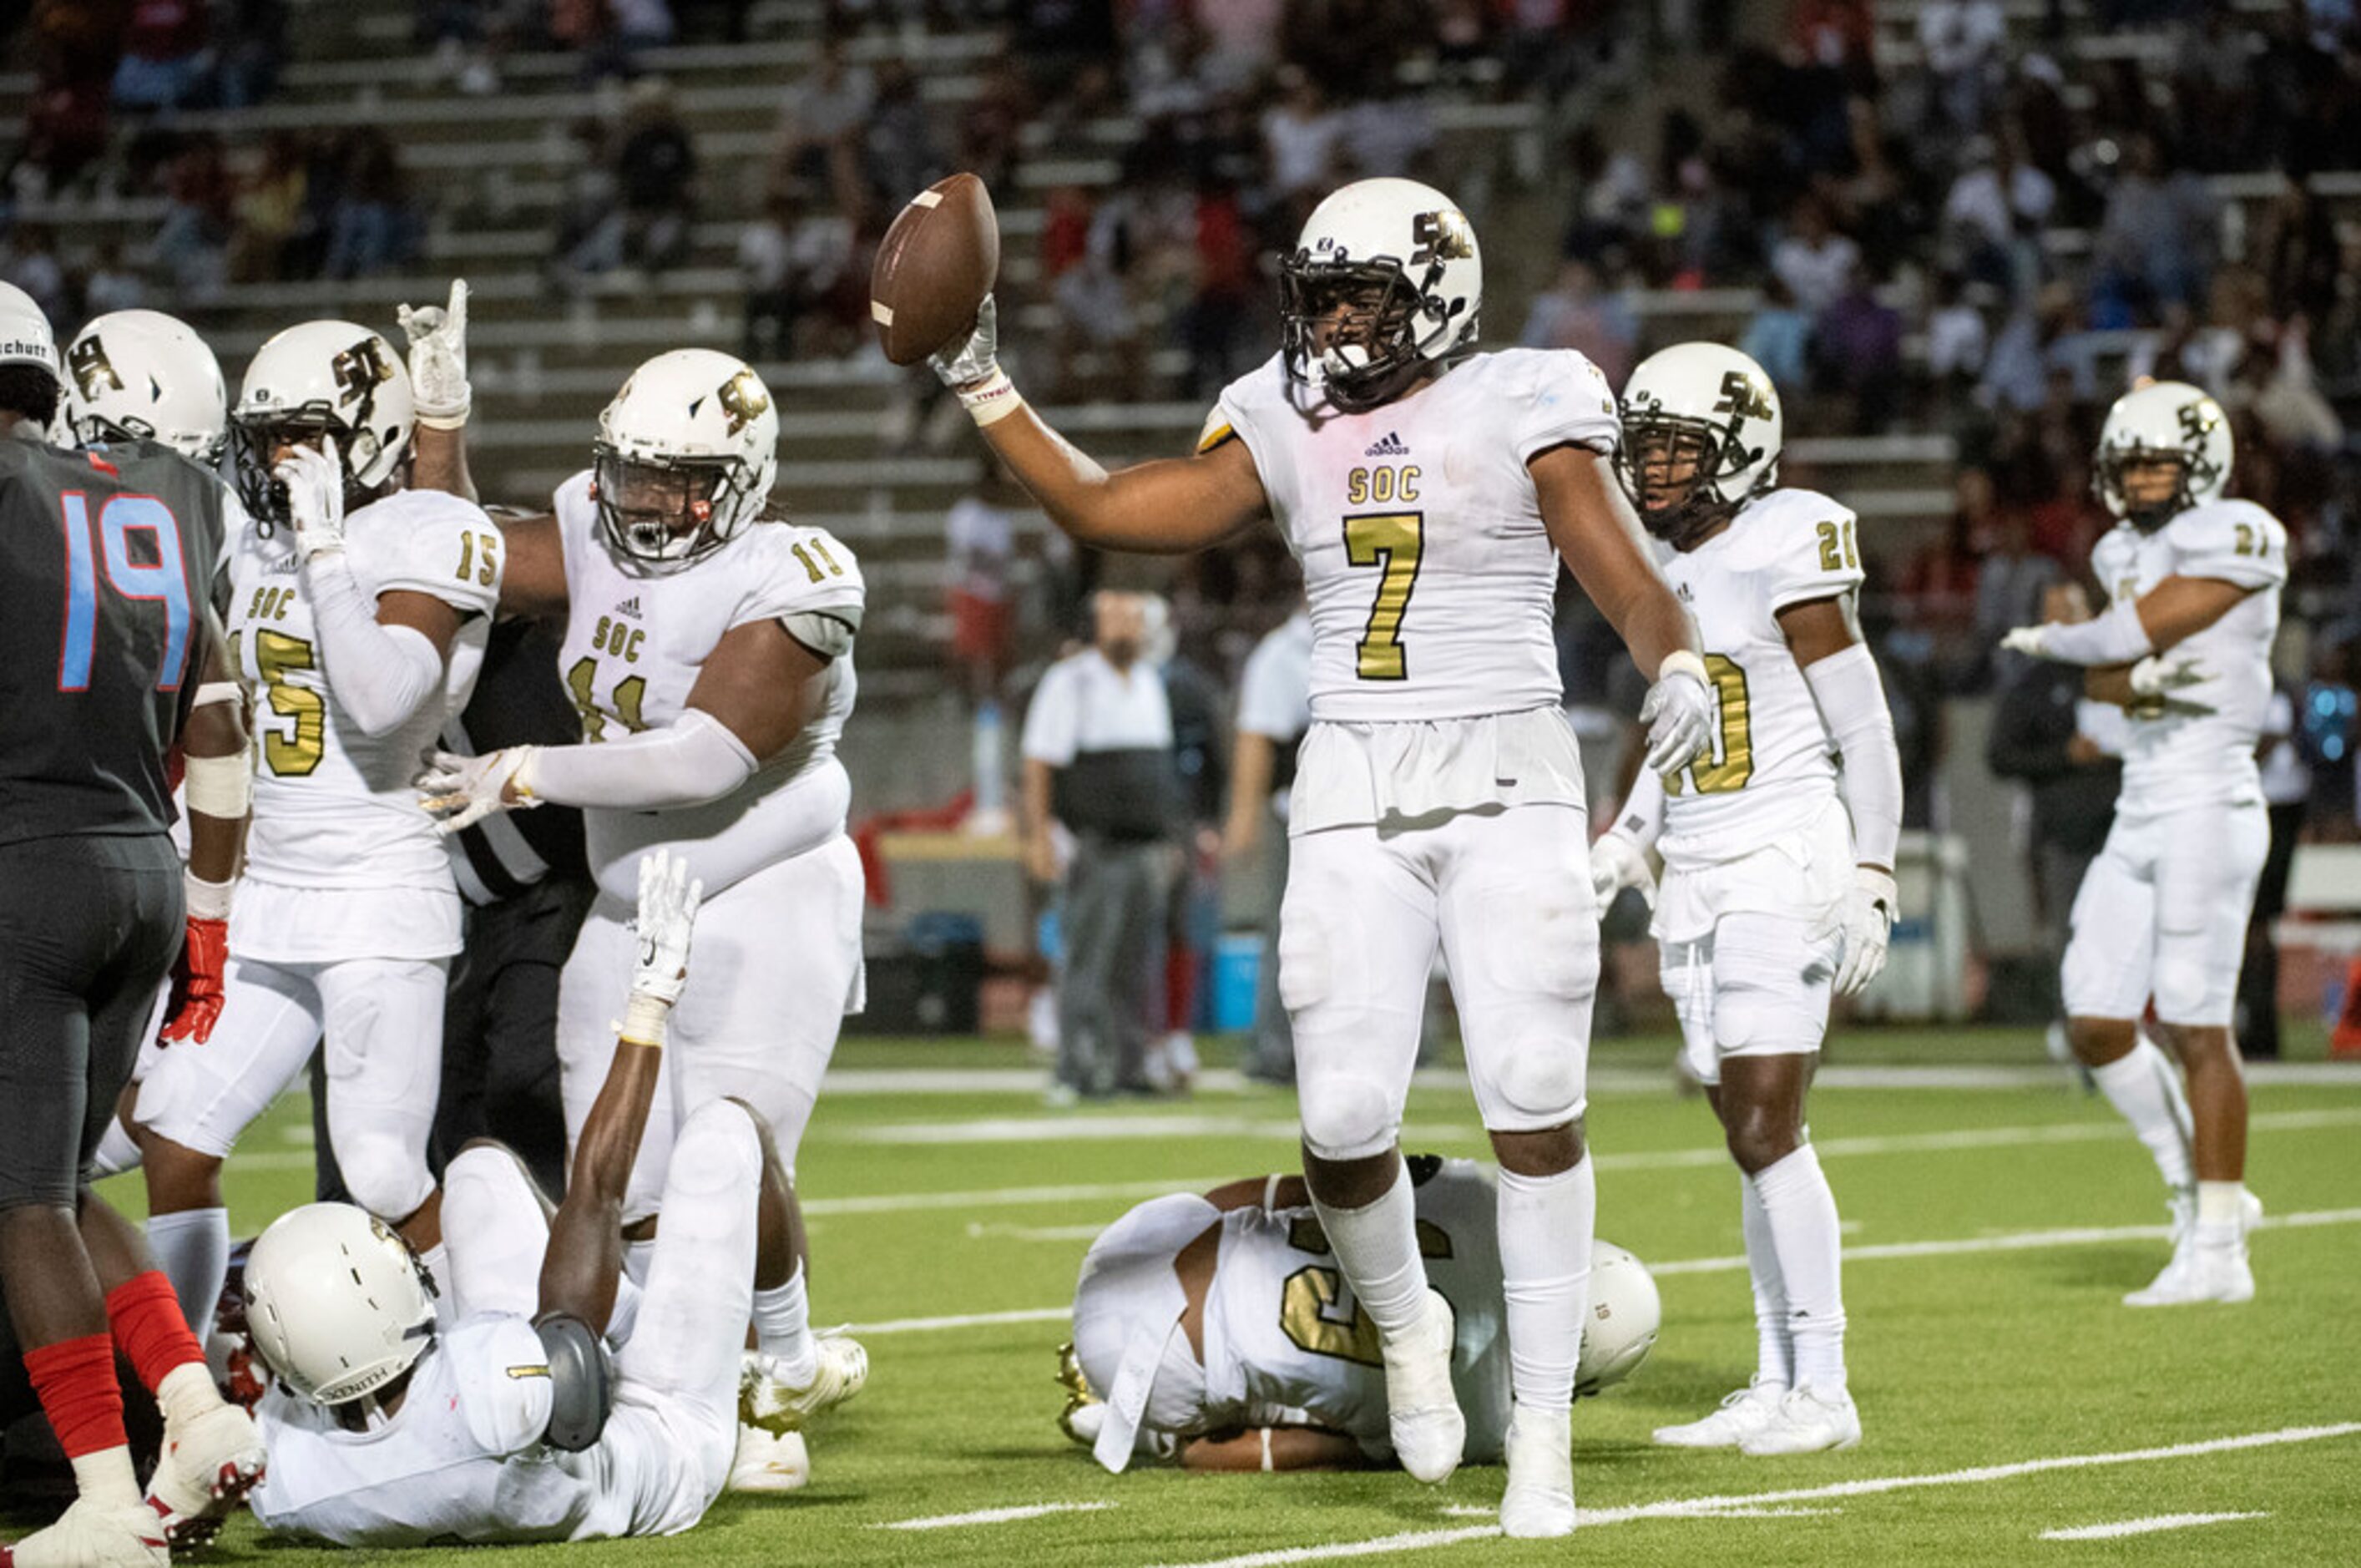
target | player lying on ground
x=514, y=1423
x=1778, y=890
x=2193, y=582
x=1432, y=493
x=95, y=699
x=1217, y=1333
x=708, y=646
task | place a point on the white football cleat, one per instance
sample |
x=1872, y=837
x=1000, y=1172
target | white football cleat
x=209, y=1464
x=769, y=1461
x=1421, y=1412
x=774, y=1406
x=1806, y=1421
x=90, y=1536
x=2207, y=1268
x=1741, y=1416
x=1539, y=1502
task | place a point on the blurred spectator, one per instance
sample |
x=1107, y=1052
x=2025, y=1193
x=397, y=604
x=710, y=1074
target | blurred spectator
x=1961, y=41
x=2287, y=791
x=814, y=144
x=980, y=539
x=66, y=120
x=30, y=262
x=898, y=150
x=797, y=264
x=1814, y=260
x=1226, y=287
x=191, y=242
x=1779, y=338
x=248, y=46
x=467, y=38
x=642, y=23
x=2154, y=245
x=1857, y=343
x=374, y=226
x=1300, y=136
x=269, y=209
x=2012, y=581
x=1936, y=587
x=113, y=284
x=1577, y=314
x=655, y=180
x=163, y=48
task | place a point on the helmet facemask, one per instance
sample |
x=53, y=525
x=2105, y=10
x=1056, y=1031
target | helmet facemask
x=255, y=443
x=1364, y=322
x=659, y=514
x=1682, y=511
x=2195, y=475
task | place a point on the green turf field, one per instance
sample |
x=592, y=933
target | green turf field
x=1994, y=1217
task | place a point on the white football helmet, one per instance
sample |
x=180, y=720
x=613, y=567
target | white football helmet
x=685, y=457
x=330, y=378
x=1712, y=406
x=144, y=376
x=1625, y=1314
x=1400, y=259
x=26, y=337
x=336, y=1303
x=2169, y=421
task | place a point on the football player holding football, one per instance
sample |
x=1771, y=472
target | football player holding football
x=2193, y=582
x=1778, y=888
x=708, y=647
x=1431, y=492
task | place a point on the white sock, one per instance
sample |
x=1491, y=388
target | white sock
x=637, y=1258
x=1546, y=1223
x=192, y=1249
x=105, y=1477
x=1774, y=1352
x=117, y=1151
x=1377, y=1249
x=1802, y=1215
x=2145, y=1086
x=782, y=1330
x=437, y=1259
x=2221, y=1210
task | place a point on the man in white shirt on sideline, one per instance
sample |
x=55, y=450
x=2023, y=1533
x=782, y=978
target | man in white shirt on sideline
x=1098, y=759
x=1274, y=710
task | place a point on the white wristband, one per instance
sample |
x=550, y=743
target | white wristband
x=444, y=422
x=207, y=900
x=1265, y=1448
x=992, y=400
x=1684, y=662
x=643, y=1019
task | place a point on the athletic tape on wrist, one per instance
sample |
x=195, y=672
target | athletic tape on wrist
x=219, y=787
x=207, y=900
x=643, y=1019
x=992, y=400
x=446, y=422
x=1683, y=661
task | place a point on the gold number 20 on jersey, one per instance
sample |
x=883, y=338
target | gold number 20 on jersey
x=1391, y=542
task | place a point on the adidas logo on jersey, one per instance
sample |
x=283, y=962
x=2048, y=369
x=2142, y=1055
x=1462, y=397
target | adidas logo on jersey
x=629, y=607
x=1391, y=446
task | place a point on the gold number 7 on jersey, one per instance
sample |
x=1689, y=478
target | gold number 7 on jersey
x=1391, y=542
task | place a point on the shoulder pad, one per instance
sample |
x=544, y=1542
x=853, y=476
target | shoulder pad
x=1805, y=545
x=2235, y=540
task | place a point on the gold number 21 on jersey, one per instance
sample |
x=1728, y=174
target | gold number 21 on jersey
x=1391, y=542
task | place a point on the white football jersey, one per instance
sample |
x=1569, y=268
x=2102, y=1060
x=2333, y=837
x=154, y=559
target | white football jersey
x=334, y=808
x=1286, y=1343
x=1431, y=578
x=2182, y=760
x=460, y=1460
x=635, y=645
x=1771, y=769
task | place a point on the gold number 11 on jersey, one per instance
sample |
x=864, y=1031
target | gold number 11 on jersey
x=1389, y=542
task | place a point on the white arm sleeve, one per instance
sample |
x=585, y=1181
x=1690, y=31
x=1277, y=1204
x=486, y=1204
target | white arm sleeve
x=2112, y=637
x=1642, y=816
x=687, y=762
x=379, y=674
x=1852, y=706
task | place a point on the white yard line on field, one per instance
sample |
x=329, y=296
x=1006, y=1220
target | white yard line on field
x=1708, y=1508
x=2018, y=1241
x=2142, y=1527
x=994, y=1516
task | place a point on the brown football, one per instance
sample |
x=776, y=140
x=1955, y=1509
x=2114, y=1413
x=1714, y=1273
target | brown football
x=937, y=264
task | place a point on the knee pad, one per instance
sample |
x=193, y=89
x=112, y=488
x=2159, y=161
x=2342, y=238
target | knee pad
x=384, y=1178
x=1346, y=1115
x=1541, y=1081
x=718, y=1150
x=484, y=1179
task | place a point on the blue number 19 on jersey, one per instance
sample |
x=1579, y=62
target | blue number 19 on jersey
x=163, y=581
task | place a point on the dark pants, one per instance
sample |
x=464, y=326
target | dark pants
x=2060, y=872
x=499, y=1037
x=1112, y=907
x=89, y=927
x=2259, y=976
x=1272, y=1056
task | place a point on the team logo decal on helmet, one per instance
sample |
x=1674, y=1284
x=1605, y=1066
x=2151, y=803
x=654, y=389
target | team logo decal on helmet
x=144, y=376
x=1701, y=436
x=1385, y=283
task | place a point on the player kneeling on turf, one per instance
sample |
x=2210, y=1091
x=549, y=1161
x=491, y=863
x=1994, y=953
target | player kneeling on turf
x=518, y=1423
x=1218, y=1333
x=1778, y=888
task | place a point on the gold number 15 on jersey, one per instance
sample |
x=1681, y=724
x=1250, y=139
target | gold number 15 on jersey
x=1390, y=542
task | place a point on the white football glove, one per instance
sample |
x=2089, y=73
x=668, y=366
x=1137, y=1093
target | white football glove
x=2025, y=640
x=1616, y=863
x=2157, y=676
x=1868, y=924
x=1679, y=713
x=668, y=901
x=316, y=497
x=458, y=791
x=438, y=359
x=976, y=357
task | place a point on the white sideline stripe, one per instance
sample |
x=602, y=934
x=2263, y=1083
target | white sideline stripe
x=994, y=1516
x=2142, y=1527
x=1007, y=1197
x=1694, y=1507
x=2020, y=1241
